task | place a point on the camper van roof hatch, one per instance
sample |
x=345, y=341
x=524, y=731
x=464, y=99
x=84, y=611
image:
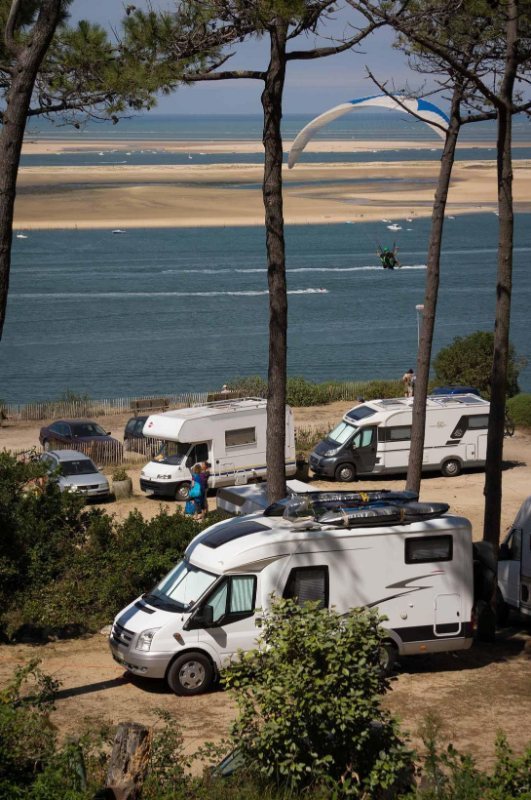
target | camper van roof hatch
x=230, y=530
x=457, y=399
x=360, y=412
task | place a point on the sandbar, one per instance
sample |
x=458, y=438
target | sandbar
x=195, y=194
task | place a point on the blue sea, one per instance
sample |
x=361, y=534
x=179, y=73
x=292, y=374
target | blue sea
x=172, y=310
x=164, y=310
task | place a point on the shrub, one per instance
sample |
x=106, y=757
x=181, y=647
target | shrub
x=468, y=361
x=119, y=474
x=309, y=704
x=252, y=386
x=519, y=409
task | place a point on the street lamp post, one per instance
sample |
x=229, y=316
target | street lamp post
x=419, y=309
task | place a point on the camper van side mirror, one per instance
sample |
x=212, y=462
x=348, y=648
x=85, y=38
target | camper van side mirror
x=505, y=553
x=202, y=618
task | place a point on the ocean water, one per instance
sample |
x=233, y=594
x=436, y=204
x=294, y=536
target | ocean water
x=170, y=310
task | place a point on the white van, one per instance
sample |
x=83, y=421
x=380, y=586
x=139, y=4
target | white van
x=230, y=434
x=411, y=560
x=374, y=438
x=514, y=567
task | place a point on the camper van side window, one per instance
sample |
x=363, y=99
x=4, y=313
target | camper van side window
x=308, y=584
x=240, y=436
x=425, y=549
x=400, y=433
x=233, y=599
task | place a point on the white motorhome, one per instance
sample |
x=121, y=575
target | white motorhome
x=230, y=434
x=374, y=438
x=372, y=549
x=514, y=567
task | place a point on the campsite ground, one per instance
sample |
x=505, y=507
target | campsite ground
x=475, y=692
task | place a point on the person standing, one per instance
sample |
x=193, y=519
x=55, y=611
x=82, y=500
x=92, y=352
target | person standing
x=194, y=503
x=408, y=380
x=204, y=475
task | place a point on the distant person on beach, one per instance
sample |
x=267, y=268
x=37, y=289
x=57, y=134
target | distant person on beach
x=388, y=257
x=225, y=389
x=408, y=380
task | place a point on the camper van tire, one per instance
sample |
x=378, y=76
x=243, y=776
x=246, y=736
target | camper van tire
x=345, y=473
x=191, y=673
x=182, y=491
x=388, y=656
x=451, y=468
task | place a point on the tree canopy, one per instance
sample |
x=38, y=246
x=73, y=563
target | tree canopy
x=468, y=360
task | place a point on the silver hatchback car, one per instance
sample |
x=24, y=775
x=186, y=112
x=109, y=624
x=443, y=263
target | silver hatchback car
x=76, y=472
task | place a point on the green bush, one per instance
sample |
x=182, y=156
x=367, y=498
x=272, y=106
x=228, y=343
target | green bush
x=447, y=774
x=252, y=386
x=468, y=361
x=119, y=474
x=519, y=409
x=309, y=704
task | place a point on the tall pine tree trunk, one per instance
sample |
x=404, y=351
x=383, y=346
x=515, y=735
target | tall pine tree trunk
x=414, y=472
x=276, y=267
x=498, y=383
x=28, y=58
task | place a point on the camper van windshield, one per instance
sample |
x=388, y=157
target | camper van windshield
x=342, y=432
x=172, y=452
x=180, y=589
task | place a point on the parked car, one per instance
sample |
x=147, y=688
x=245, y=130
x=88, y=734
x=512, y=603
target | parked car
x=456, y=390
x=82, y=434
x=76, y=472
x=134, y=439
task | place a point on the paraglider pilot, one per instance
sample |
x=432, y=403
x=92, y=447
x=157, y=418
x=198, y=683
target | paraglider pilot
x=388, y=257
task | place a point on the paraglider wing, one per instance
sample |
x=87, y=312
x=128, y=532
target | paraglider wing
x=429, y=112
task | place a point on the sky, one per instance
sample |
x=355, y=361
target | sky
x=311, y=86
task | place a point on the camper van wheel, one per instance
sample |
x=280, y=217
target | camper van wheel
x=387, y=657
x=345, y=473
x=183, y=490
x=451, y=468
x=191, y=673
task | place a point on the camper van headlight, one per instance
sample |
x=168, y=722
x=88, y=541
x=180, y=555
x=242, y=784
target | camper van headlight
x=145, y=639
x=331, y=452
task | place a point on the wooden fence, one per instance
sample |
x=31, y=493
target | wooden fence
x=73, y=409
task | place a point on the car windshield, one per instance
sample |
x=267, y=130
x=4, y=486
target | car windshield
x=181, y=588
x=172, y=452
x=342, y=432
x=87, y=429
x=82, y=467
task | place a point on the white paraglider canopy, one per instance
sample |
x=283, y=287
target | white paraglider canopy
x=429, y=113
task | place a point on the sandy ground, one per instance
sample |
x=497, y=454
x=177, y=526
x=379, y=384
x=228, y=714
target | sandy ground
x=475, y=692
x=123, y=196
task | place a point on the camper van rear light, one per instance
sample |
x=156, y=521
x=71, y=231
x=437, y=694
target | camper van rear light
x=145, y=639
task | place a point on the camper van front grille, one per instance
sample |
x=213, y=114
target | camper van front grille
x=120, y=635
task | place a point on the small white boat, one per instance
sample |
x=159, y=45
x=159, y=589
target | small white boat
x=21, y=236
x=118, y=230
x=394, y=227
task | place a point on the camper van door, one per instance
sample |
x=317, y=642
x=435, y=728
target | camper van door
x=225, y=618
x=364, y=445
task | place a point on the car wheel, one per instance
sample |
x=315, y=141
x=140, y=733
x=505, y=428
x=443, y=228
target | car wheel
x=183, y=491
x=345, y=473
x=387, y=657
x=189, y=674
x=451, y=468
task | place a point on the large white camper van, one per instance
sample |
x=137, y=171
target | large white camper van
x=514, y=567
x=230, y=434
x=374, y=438
x=411, y=560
